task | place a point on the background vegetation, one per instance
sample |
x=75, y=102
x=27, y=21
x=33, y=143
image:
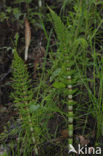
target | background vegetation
x=55, y=97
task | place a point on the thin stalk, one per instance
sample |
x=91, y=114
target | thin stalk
x=70, y=111
x=32, y=131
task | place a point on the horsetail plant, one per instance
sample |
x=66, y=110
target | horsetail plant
x=66, y=77
x=23, y=100
x=27, y=37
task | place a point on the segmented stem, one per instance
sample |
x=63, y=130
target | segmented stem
x=70, y=110
x=23, y=97
x=32, y=130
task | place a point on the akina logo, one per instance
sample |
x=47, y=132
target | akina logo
x=84, y=150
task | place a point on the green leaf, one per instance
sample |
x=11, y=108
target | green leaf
x=17, y=13
x=59, y=85
x=34, y=107
x=60, y=28
x=3, y=16
x=9, y=9
x=55, y=73
x=80, y=42
x=16, y=39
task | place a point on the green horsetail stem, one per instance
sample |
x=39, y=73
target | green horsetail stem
x=23, y=96
x=32, y=131
x=64, y=38
x=70, y=111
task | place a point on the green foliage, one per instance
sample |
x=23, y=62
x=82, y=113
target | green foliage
x=65, y=75
x=65, y=3
x=23, y=101
x=58, y=85
x=31, y=112
x=76, y=69
x=76, y=42
x=61, y=30
x=20, y=1
x=85, y=23
x=15, y=12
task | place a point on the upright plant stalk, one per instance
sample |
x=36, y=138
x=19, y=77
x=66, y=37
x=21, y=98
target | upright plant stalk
x=70, y=110
x=27, y=38
x=66, y=66
x=70, y=74
x=23, y=97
